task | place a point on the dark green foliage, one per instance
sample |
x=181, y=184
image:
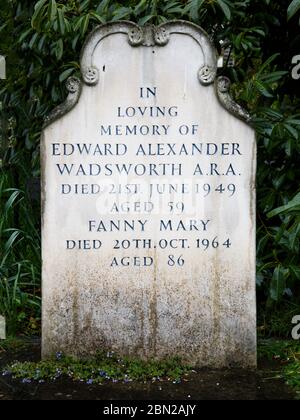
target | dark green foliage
x=42, y=41
x=12, y=345
x=277, y=323
x=19, y=260
x=278, y=350
x=287, y=355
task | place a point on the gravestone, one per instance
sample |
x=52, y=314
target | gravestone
x=2, y=76
x=2, y=328
x=2, y=67
x=148, y=191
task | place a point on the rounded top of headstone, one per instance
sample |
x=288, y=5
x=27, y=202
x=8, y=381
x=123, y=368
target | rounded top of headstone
x=148, y=36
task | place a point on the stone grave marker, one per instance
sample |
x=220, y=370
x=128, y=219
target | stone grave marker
x=148, y=191
x=2, y=67
x=2, y=328
x=2, y=76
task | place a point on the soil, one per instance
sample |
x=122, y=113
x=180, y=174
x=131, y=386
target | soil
x=201, y=385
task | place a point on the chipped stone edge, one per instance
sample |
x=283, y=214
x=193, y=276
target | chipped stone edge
x=223, y=93
x=148, y=35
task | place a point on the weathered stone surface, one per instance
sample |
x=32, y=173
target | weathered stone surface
x=187, y=283
x=2, y=67
x=2, y=328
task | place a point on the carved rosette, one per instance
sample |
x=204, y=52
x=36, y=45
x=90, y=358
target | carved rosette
x=91, y=76
x=148, y=36
x=73, y=86
x=207, y=75
x=135, y=36
x=161, y=36
x=223, y=92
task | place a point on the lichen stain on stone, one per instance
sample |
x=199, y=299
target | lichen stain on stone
x=153, y=316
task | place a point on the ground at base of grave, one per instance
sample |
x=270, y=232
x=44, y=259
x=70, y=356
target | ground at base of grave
x=263, y=384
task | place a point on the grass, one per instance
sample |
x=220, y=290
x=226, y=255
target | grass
x=105, y=367
x=19, y=260
x=12, y=344
x=276, y=322
x=280, y=350
x=287, y=354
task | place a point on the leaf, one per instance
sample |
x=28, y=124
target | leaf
x=41, y=42
x=77, y=23
x=85, y=24
x=225, y=8
x=293, y=9
x=293, y=121
x=52, y=10
x=274, y=76
x=12, y=200
x=259, y=279
x=4, y=26
x=25, y=35
x=12, y=239
x=59, y=49
x=102, y=6
x=61, y=21
x=278, y=283
x=145, y=19
x=294, y=204
x=193, y=7
x=295, y=271
x=122, y=12
x=161, y=19
x=268, y=62
x=75, y=40
x=83, y=5
x=262, y=244
x=259, y=31
x=288, y=147
x=262, y=89
x=97, y=17
x=271, y=113
x=65, y=74
x=293, y=132
x=278, y=181
x=33, y=40
x=293, y=240
x=140, y=8
x=38, y=12
x=174, y=10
